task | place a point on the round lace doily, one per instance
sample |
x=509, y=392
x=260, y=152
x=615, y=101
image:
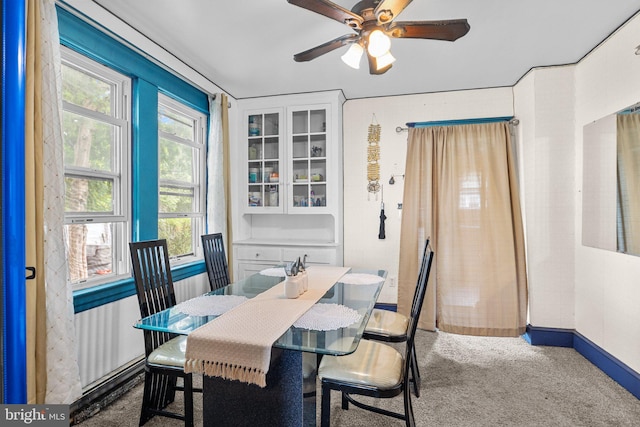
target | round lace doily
x=327, y=317
x=361, y=279
x=210, y=305
x=274, y=272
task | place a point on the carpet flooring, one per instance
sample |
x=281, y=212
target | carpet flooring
x=468, y=381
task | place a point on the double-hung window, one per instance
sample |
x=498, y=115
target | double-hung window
x=96, y=133
x=181, y=158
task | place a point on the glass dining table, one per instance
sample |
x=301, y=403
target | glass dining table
x=292, y=373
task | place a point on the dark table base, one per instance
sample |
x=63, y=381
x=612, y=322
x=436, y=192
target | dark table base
x=279, y=404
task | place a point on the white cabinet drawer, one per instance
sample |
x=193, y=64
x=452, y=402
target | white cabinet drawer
x=259, y=253
x=314, y=255
x=246, y=269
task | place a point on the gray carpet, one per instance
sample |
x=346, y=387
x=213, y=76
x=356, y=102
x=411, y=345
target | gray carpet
x=470, y=381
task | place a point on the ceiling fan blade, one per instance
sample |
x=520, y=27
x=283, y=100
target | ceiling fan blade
x=331, y=10
x=327, y=47
x=449, y=30
x=387, y=10
x=373, y=66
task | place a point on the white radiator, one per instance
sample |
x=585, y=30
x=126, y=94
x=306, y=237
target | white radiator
x=106, y=338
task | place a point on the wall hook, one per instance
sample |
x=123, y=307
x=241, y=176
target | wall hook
x=392, y=180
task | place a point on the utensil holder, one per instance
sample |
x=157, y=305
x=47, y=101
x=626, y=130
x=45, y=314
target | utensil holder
x=304, y=278
x=292, y=287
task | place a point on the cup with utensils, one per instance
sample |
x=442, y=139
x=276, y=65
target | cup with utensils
x=296, y=282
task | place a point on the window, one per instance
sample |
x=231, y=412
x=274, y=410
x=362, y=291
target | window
x=95, y=126
x=181, y=157
x=470, y=197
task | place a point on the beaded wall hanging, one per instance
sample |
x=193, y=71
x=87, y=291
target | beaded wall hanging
x=373, y=155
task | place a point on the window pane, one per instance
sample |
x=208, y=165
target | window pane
x=176, y=200
x=177, y=124
x=88, y=143
x=90, y=250
x=176, y=161
x=85, y=90
x=95, y=119
x=88, y=195
x=178, y=232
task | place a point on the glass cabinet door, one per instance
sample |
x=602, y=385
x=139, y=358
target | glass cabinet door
x=309, y=158
x=263, y=138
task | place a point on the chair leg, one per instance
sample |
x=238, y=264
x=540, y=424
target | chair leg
x=159, y=391
x=408, y=407
x=325, y=406
x=415, y=372
x=146, y=399
x=188, y=400
x=345, y=401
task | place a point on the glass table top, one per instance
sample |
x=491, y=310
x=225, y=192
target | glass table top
x=359, y=297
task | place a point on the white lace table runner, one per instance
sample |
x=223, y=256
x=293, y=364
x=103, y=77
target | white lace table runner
x=361, y=279
x=210, y=305
x=237, y=344
x=327, y=317
x=274, y=272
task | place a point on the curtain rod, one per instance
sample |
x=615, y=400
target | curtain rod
x=512, y=120
x=214, y=96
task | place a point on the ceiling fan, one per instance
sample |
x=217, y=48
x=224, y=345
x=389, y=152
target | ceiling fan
x=373, y=23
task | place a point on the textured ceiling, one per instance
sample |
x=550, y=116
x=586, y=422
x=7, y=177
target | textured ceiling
x=246, y=47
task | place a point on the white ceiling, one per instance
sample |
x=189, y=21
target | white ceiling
x=246, y=47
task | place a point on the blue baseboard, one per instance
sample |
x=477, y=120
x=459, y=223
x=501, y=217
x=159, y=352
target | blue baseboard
x=386, y=306
x=549, y=336
x=618, y=371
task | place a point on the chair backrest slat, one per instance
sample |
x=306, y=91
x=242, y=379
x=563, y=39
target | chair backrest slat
x=215, y=259
x=421, y=289
x=154, y=284
x=421, y=271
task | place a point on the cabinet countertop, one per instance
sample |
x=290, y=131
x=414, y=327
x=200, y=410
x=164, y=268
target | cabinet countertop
x=286, y=242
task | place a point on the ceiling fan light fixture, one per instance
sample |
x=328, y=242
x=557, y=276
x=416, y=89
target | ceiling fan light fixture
x=384, y=17
x=352, y=56
x=385, y=60
x=379, y=43
x=373, y=22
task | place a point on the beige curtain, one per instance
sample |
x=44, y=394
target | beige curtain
x=52, y=368
x=628, y=143
x=34, y=222
x=461, y=191
x=218, y=181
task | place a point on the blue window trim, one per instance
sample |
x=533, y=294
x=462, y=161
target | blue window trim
x=95, y=44
x=148, y=79
x=144, y=190
x=459, y=122
x=86, y=299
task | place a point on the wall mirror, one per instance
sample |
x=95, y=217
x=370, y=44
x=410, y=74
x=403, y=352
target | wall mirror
x=611, y=182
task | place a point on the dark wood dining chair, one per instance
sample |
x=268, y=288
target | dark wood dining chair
x=375, y=369
x=165, y=353
x=390, y=326
x=215, y=258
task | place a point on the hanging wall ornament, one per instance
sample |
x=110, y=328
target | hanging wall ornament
x=373, y=155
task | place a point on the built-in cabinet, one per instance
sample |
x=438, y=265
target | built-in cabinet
x=264, y=160
x=252, y=258
x=289, y=181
